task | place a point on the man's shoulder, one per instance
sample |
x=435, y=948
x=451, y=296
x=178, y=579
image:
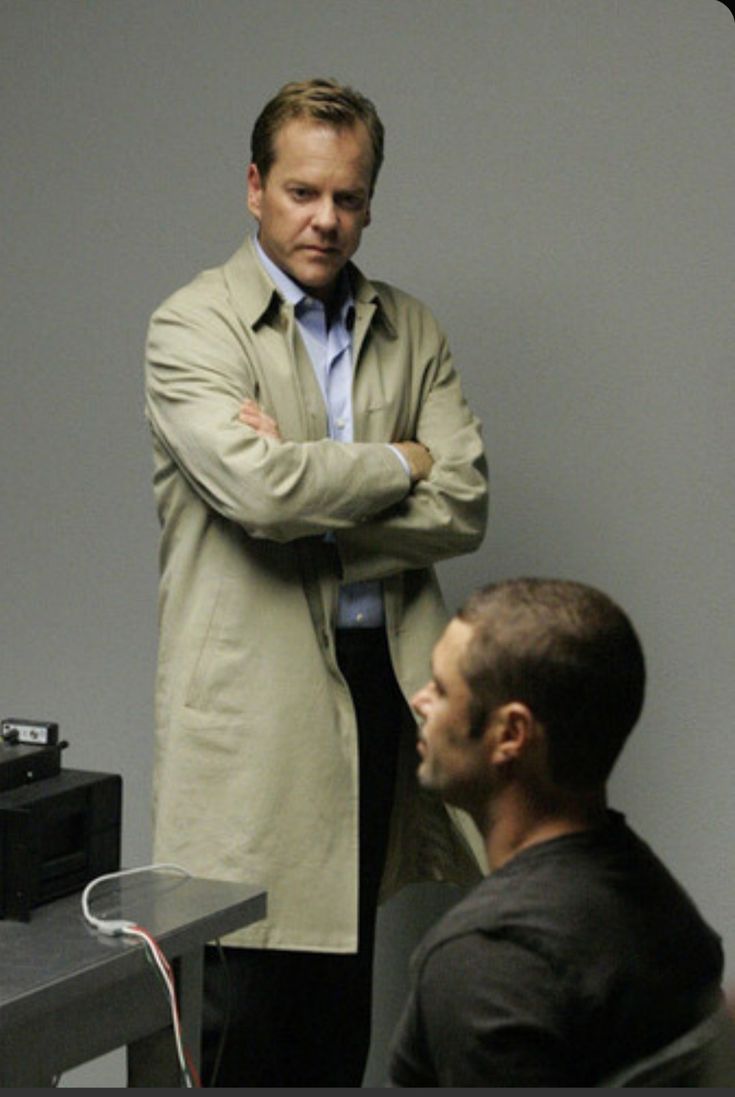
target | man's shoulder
x=537, y=887
x=482, y=909
x=400, y=307
x=395, y=296
x=206, y=286
x=237, y=285
x=565, y=889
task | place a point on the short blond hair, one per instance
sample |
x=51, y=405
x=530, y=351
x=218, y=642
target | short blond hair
x=324, y=101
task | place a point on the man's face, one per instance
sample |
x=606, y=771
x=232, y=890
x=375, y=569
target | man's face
x=315, y=200
x=453, y=763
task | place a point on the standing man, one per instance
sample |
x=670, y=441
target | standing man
x=314, y=457
x=579, y=955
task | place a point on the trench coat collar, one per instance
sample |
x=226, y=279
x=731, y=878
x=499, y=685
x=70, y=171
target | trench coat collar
x=254, y=295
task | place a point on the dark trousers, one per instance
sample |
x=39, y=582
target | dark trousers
x=303, y=1018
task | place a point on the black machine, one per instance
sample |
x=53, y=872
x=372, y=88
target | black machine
x=59, y=829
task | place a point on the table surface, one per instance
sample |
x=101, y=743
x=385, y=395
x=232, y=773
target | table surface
x=57, y=956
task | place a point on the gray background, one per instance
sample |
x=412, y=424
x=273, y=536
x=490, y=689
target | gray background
x=559, y=186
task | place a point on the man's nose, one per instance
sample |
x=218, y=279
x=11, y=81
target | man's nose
x=325, y=215
x=418, y=701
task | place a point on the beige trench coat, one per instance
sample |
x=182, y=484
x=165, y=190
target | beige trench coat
x=255, y=762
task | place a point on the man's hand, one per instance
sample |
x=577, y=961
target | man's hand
x=418, y=457
x=251, y=414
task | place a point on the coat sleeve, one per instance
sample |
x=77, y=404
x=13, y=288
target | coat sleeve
x=197, y=375
x=443, y=516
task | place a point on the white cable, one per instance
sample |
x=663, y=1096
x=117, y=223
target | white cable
x=117, y=927
x=161, y=963
x=113, y=927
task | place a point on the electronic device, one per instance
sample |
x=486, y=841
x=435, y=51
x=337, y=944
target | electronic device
x=32, y=732
x=59, y=829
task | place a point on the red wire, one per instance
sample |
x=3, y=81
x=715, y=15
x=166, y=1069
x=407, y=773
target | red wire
x=158, y=951
x=192, y=1070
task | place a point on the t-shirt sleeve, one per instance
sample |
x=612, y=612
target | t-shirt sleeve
x=483, y=1012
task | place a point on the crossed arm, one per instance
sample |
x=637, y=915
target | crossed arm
x=202, y=391
x=418, y=457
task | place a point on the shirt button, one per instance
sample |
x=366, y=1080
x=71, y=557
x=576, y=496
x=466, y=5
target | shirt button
x=360, y=617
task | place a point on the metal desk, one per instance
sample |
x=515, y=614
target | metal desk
x=68, y=994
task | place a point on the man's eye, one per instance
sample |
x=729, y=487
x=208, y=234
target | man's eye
x=300, y=194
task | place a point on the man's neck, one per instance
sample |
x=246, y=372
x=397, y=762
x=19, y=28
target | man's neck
x=516, y=820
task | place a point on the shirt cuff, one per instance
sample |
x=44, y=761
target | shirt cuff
x=402, y=459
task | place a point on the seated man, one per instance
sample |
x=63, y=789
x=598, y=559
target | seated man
x=579, y=953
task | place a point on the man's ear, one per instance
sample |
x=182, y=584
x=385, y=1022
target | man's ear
x=255, y=190
x=512, y=729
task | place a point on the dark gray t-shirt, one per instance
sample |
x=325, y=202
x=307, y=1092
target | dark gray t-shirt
x=579, y=955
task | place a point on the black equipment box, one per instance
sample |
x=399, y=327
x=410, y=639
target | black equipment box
x=21, y=764
x=57, y=834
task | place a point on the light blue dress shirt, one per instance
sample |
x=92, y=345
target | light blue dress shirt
x=330, y=350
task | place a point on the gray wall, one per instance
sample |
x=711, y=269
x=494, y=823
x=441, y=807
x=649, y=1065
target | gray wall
x=559, y=185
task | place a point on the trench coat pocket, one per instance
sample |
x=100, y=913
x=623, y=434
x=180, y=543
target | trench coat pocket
x=225, y=658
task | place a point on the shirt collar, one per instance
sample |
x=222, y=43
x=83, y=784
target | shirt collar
x=253, y=292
